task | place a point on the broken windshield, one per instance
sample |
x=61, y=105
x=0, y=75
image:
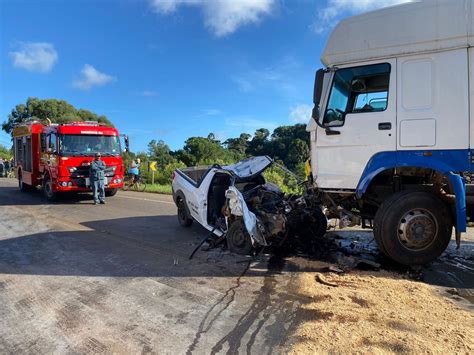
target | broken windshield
x=88, y=145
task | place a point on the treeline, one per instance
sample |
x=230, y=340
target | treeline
x=288, y=145
x=59, y=111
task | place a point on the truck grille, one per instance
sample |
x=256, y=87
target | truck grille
x=83, y=171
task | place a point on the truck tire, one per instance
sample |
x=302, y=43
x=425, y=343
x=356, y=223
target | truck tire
x=22, y=186
x=48, y=192
x=183, y=217
x=110, y=193
x=413, y=227
x=238, y=239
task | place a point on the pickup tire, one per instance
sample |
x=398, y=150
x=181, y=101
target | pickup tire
x=320, y=224
x=413, y=227
x=183, y=217
x=238, y=239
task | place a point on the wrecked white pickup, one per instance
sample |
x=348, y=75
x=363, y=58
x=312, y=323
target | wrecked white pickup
x=235, y=201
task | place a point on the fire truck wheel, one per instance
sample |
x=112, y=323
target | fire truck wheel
x=48, y=189
x=23, y=187
x=111, y=193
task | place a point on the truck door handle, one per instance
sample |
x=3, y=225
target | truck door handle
x=330, y=132
x=385, y=126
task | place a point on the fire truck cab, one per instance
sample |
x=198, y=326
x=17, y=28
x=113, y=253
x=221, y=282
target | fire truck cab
x=57, y=157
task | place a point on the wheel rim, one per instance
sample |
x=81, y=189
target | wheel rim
x=48, y=189
x=417, y=229
x=239, y=238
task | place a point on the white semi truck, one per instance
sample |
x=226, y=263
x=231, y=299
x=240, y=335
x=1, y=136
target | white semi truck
x=392, y=129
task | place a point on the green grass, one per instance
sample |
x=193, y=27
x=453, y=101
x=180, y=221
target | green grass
x=159, y=189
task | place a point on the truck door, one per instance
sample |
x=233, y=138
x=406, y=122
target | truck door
x=359, y=120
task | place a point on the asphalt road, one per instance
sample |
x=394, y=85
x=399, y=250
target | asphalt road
x=75, y=277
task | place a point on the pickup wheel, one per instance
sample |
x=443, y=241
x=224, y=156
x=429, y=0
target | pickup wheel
x=413, y=227
x=238, y=239
x=183, y=218
x=320, y=223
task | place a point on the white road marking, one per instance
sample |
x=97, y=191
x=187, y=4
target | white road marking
x=145, y=199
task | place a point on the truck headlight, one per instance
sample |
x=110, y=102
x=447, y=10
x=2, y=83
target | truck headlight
x=73, y=169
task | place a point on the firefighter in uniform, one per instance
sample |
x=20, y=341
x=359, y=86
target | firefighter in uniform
x=97, y=178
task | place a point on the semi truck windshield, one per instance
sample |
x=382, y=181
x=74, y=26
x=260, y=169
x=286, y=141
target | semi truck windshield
x=87, y=145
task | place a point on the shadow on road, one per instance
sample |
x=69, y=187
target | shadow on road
x=12, y=196
x=157, y=246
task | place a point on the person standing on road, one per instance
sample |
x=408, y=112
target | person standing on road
x=2, y=167
x=97, y=178
x=7, y=168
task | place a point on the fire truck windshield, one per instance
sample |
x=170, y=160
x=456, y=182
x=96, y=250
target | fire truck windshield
x=88, y=145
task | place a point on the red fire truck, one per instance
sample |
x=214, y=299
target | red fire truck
x=57, y=157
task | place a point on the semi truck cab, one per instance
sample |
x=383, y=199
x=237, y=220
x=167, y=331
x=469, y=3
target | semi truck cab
x=392, y=125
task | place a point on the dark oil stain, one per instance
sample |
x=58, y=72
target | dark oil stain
x=223, y=302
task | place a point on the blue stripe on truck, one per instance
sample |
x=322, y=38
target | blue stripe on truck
x=448, y=162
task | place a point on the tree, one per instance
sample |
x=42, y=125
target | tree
x=238, y=145
x=5, y=153
x=290, y=144
x=259, y=143
x=200, y=150
x=160, y=152
x=58, y=111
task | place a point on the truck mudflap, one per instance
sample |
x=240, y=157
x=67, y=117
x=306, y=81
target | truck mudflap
x=239, y=208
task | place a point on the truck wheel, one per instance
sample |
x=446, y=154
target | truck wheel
x=413, y=227
x=238, y=239
x=22, y=186
x=48, y=189
x=183, y=218
x=111, y=193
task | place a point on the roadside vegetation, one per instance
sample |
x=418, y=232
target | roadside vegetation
x=5, y=153
x=288, y=145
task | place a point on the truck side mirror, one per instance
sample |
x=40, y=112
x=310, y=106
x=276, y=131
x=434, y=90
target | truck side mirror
x=318, y=86
x=317, y=93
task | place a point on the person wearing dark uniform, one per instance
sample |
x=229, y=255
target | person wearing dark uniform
x=97, y=178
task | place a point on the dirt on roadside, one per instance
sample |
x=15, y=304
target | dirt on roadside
x=379, y=312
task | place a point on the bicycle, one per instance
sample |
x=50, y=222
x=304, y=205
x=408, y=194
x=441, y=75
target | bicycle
x=135, y=184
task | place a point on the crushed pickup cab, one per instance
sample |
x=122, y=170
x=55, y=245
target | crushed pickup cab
x=237, y=202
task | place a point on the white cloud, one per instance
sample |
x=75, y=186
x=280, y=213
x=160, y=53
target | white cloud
x=335, y=8
x=36, y=57
x=223, y=17
x=300, y=113
x=250, y=124
x=90, y=77
x=280, y=75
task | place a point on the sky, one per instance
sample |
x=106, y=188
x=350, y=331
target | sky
x=170, y=69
